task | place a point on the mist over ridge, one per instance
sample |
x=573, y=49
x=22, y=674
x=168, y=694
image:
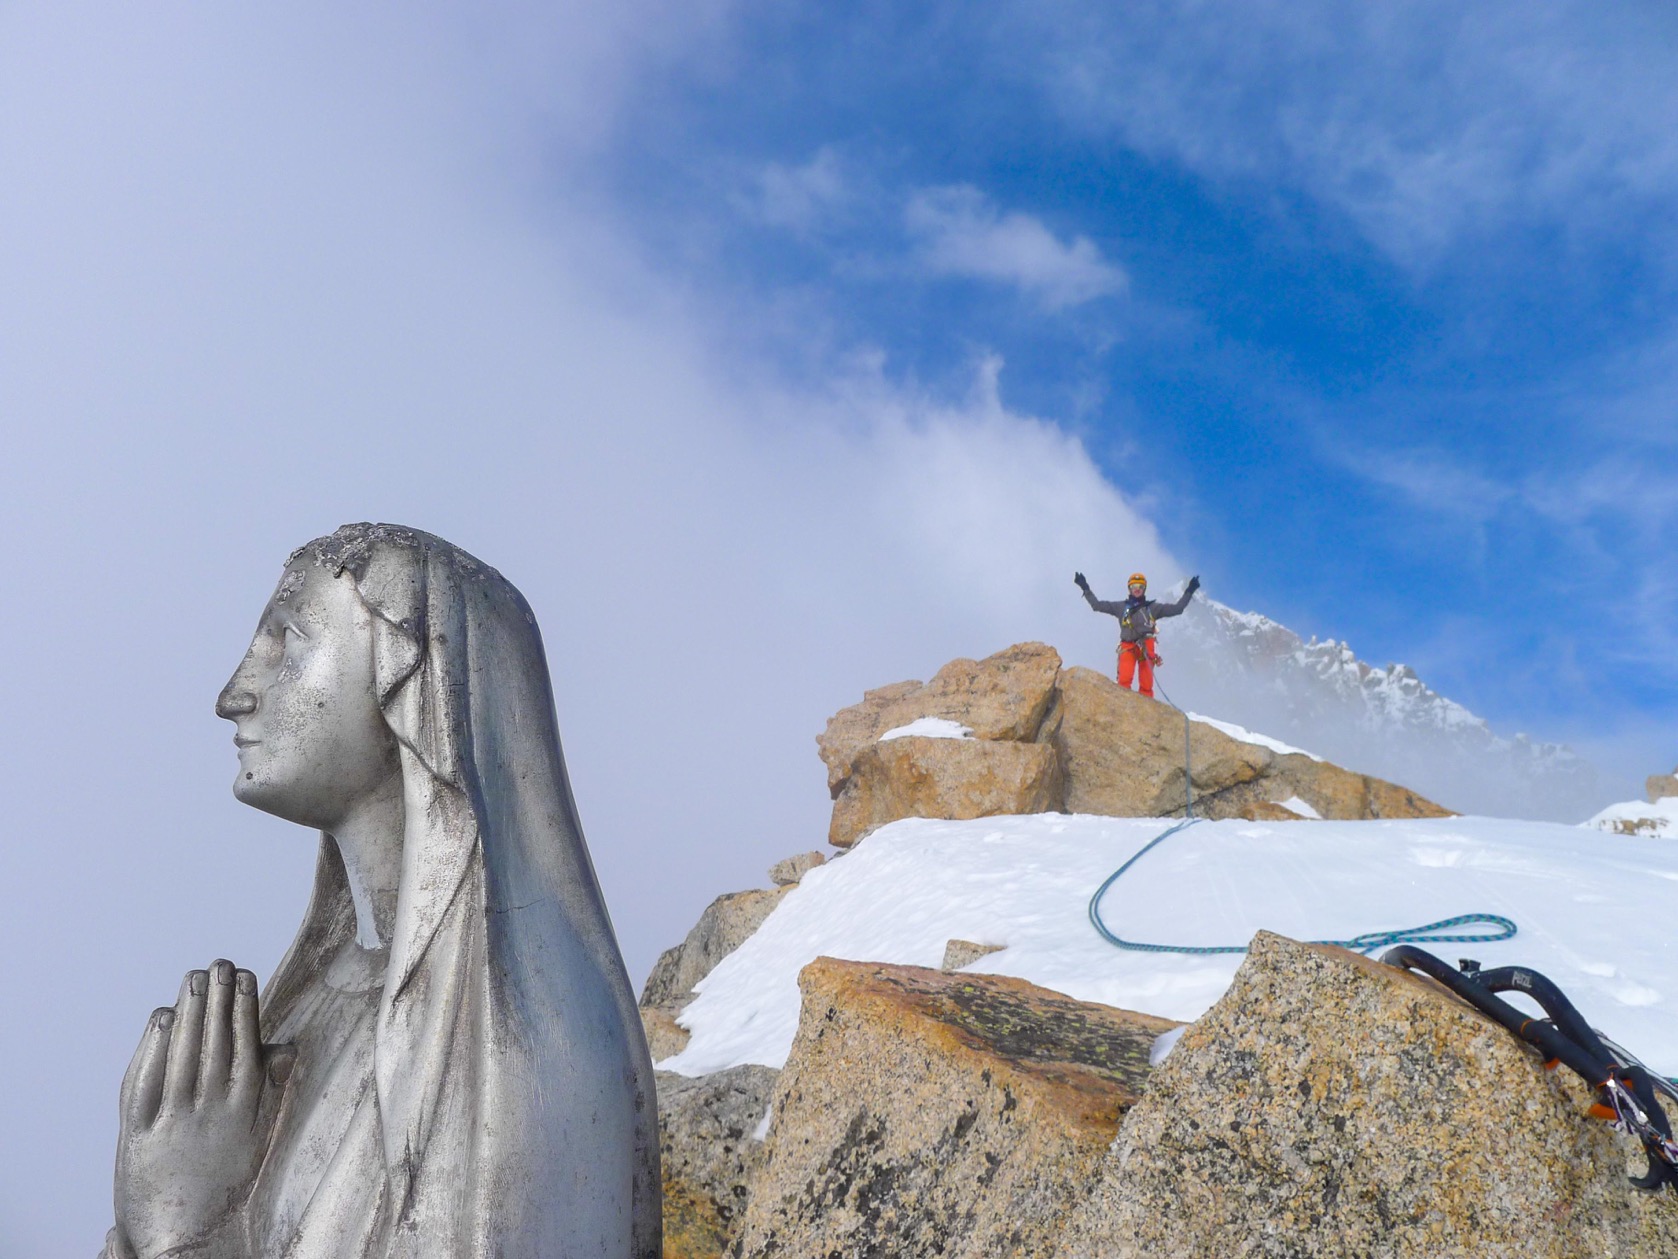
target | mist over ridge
x=1383, y=720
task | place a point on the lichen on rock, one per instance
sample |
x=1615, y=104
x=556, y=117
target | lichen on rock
x=708, y=1148
x=923, y=1114
x=1329, y=1105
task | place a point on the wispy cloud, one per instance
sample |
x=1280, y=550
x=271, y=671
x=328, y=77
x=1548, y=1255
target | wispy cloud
x=1430, y=481
x=802, y=197
x=1427, y=123
x=1606, y=518
x=1615, y=521
x=960, y=232
x=1631, y=398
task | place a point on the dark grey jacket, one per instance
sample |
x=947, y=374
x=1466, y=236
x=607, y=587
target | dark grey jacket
x=1137, y=616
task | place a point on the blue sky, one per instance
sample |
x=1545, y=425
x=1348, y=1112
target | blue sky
x=778, y=351
x=1374, y=312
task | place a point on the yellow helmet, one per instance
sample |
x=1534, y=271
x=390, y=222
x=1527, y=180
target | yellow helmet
x=1138, y=579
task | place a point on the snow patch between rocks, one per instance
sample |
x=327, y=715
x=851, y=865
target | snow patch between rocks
x=929, y=728
x=1243, y=735
x=1164, y=1044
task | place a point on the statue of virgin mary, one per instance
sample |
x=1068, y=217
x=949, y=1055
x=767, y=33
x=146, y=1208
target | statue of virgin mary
x=448, y=1062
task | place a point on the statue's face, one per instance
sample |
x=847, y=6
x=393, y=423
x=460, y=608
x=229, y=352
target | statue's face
x=312, y=741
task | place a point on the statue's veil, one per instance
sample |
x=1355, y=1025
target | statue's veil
x=515, y=1091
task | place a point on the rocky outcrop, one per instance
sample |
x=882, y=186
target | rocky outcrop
x=1342, y=794
x=1002, y=697
x=709, y=1144
x=789, y=870
x=1656, y=817
x=1268, y=811
x=960, y=953
x=1325, y=1106
x=945, y=778
x=854, y=728
x=1052, y=739
x=724, y=926
x=926, y=1114
x=1329, y=1105
x=665, y=1036
x=1122, y=753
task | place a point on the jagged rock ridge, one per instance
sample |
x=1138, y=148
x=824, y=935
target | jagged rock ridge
x=1045, y=739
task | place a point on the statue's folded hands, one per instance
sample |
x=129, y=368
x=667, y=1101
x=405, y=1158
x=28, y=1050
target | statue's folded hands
x=197, y=1111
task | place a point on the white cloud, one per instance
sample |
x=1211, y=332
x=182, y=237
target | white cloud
x=261, y=274
x=961, y=233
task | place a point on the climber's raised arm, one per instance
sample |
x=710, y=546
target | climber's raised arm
x=1110, y=607
x=1176, y=609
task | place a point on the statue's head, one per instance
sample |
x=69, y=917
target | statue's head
x=311, y=737
x=390, y=664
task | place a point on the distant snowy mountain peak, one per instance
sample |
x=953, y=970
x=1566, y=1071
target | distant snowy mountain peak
x=1247, y=668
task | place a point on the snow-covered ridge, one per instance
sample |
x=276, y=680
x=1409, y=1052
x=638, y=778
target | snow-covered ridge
x=1639, y=817
x=1254, y=672
x=1594, y=926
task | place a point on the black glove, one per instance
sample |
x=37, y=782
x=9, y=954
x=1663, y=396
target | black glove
x=1194, y=584
x=1079, y=579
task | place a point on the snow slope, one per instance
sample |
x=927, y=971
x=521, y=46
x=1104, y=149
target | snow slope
x=1596, y=913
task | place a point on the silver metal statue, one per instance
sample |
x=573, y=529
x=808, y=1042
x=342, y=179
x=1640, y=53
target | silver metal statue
x=448, y=1061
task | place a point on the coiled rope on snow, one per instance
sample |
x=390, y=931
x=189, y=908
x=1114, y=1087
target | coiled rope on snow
x=1368, y=942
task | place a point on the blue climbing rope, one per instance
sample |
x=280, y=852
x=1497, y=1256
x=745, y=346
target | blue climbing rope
x=1368, y=942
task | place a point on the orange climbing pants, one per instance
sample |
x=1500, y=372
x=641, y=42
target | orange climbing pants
x=1137, y=658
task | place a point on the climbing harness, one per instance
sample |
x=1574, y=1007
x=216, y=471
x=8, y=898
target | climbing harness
x=1366, y=943
x=1626, y=1090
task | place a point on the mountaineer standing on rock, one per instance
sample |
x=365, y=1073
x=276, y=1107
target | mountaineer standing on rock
x=1137, y=624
